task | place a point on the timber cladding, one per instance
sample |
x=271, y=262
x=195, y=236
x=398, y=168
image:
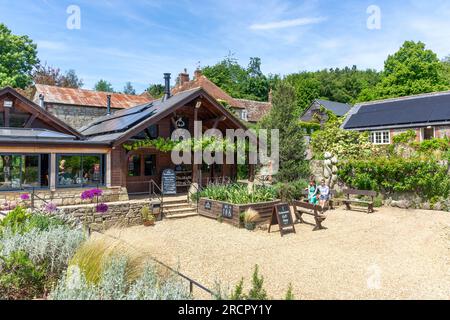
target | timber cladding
x=230, y=213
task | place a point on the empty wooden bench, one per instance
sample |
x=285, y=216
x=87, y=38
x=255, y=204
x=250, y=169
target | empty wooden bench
x=301, y=208
x=348, y=201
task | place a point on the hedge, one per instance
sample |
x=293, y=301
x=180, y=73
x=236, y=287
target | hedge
x=428, y=179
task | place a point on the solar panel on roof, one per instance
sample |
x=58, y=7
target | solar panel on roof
x=407, y=111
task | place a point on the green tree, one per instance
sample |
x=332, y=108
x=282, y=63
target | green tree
x=71, y=80
x=44, y=74
x=129, y=89
x=18, y=56
x=283, y=116
x=156, y=90
x=103, y=86
x=411, y=70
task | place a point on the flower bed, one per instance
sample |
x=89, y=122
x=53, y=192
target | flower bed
x=230, y=213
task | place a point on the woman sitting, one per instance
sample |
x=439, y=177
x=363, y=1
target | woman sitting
x=312, y=192
x=324, y=194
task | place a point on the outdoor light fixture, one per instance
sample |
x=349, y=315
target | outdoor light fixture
x=429, y=127
x=8, y=104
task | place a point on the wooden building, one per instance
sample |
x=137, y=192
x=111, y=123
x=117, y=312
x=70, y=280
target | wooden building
x=40, y=151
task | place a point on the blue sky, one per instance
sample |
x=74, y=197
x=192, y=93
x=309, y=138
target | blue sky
x=139, y=40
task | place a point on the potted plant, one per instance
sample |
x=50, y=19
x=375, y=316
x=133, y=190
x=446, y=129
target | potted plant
x=147, y=218
x=250, y=218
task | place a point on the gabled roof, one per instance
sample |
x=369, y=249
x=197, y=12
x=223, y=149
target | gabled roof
x=212, y=89
x=419, y=109
x=41, y=113
x=120, y=126
x=338, y=108
x=88, y=98
x=256, y=109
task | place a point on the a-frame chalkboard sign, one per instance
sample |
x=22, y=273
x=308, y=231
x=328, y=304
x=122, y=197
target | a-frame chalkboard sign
x=282, y=216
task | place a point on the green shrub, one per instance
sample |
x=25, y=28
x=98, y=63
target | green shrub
x=20, y=278
x=405, y=137
x=238, y=293
x=426, y=178
x=289, y=294
x=238, y=193
x=15, y=220
x=257, y=292
x=288, y=192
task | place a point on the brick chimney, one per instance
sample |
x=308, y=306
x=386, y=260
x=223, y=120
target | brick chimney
x=197, y=74
x=184, y=77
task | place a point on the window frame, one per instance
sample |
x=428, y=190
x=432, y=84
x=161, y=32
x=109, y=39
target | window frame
x=379, y=137
x=82, y=185
x=422, y=133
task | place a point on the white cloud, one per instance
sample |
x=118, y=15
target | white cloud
x=51, y=45
x=287, y=23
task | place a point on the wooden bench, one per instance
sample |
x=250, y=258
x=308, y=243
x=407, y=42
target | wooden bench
x=330, y=202
x=348, y=200
x=301, y=208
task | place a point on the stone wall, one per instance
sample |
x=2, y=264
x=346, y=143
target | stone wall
x=76, y=116
x=65, y=197
x=120, y=214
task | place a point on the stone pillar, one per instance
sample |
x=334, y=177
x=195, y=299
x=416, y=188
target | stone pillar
x=53, y=172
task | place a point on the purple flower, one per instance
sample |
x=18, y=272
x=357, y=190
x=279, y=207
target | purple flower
x=91, y=194
x=50, y=207
x=25, y=196
x=102, y=208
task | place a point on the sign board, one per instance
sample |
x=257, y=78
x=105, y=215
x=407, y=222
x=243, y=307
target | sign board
x=208, y=205
x=227, y=211
x=282, y=216
x=169, y=182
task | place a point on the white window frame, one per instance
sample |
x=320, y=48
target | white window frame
x=422, y=133
x=244, y=115
x=380, y=137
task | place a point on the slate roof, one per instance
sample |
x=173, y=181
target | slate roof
x=419, y=109
x=88, y=98
x=339, y=109
x=256, y=109
x=211, y=88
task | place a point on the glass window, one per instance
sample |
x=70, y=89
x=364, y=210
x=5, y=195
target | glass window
x=380, y=137
x=428, y=133
x=149, y=133
x=92, y=173
x=2, y=119
x=80, y=170
x=69, y=170
x=150, y=165
x=31, y=171
x=17, y=118
x=23, y=171
x=134, y=166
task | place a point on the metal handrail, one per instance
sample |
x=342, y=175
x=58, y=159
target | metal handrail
x=152, y=186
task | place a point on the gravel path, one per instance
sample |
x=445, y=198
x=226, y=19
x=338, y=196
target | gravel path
x=392, y=254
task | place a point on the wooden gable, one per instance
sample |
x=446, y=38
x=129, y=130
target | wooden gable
x=16, y=111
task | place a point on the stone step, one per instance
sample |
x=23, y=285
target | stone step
x=174, y=211
x=176, y=205
x=182, y=215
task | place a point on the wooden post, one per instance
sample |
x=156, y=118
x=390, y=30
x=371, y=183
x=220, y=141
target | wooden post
x=108, y=170
x=53, y=171
x=251, y=173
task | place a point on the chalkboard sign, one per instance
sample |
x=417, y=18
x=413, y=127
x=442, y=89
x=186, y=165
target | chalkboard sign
x=169, y=182
x=208, y=205
x=227, y=211
x=282, y=216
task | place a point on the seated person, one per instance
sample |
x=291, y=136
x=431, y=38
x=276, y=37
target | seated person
x=324, y=193
x=312, y=192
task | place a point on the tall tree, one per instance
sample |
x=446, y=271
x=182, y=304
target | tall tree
x=283, y=116
x=129, y=89
x=156, y=90
x=18, y=56
x=71, y=80
x=103, y=86
x=413, y=69
x=44, y=74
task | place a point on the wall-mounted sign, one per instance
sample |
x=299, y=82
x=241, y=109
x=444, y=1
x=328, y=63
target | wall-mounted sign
x=208, y=205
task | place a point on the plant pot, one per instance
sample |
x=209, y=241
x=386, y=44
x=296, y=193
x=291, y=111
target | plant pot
x=149, y=223
x=250, y=226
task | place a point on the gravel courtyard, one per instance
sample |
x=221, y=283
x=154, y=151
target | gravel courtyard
x=392, y=254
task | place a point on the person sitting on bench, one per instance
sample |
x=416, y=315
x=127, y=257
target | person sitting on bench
x=312, y=192
x=324, y=194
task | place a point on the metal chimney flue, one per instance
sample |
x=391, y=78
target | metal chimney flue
x=167, y=92
x=108, y=104
x=42, y=101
